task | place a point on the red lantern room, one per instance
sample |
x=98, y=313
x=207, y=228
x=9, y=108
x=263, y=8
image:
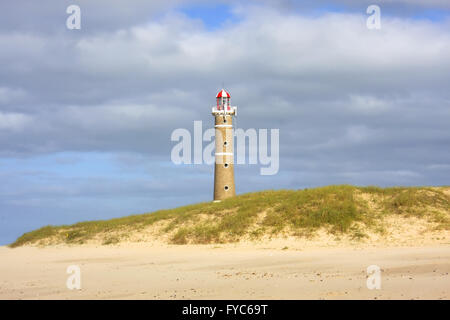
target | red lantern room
x=223, y=100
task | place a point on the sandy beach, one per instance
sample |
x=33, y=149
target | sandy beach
x=263, y=271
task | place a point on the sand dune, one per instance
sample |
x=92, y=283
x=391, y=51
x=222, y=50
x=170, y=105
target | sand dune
x=303, y=244
x=244, y=271
x=399, y=214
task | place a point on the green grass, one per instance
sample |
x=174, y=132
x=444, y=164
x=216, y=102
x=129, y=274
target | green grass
x=342, y=209
x=334, y=206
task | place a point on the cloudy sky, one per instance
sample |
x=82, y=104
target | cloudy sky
x=86, y=115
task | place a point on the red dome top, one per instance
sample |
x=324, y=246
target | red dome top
x=223, y=94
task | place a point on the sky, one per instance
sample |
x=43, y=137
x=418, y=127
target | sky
x=86, y=115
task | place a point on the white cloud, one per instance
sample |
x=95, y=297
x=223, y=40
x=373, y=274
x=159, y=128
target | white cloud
x=327, y=82
x=14, y=121
x=369, y=104
x=8, y=95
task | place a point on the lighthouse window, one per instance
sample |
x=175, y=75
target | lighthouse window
x=225, y=143
x=226, y=188
x=226, y=165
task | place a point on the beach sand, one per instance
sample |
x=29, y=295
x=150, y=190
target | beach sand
x=275, y=270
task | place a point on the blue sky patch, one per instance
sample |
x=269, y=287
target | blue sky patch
x=212, y=15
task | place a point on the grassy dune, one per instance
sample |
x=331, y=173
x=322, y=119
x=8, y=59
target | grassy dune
x=340, y=210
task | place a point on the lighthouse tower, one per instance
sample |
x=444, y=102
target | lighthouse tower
x=224, y=167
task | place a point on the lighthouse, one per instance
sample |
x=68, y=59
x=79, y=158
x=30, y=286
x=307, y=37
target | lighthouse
x=223, y=114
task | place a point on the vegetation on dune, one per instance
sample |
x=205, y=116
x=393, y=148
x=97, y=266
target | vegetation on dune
x=340, y=209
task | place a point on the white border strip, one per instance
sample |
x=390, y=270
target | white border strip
x=224, y=153
x=223, y=125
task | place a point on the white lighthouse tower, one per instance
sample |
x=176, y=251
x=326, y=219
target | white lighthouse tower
x=223, y=114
